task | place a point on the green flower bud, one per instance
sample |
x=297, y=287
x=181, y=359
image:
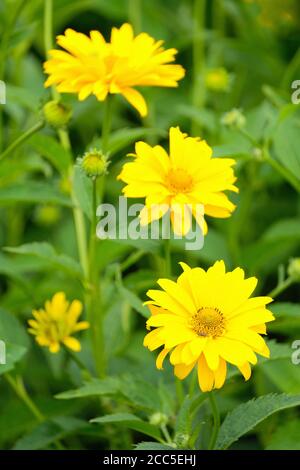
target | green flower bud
x=57, y=114
x=294, y=269
x=234, y=118
x=182, y=440
x=93, y=163
x=158, y=419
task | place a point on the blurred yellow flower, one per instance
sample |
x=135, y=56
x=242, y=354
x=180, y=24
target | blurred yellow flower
x=55, y=324
x=183, y=182
x=91, y=65
x=217, y=79
x=207, y=319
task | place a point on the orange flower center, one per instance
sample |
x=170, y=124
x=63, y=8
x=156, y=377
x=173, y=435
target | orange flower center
x=208, y=322
x=179, y=181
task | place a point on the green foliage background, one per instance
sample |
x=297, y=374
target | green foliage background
x=258, y=43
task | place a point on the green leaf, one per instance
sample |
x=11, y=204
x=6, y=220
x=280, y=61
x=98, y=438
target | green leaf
x=287, y=145
x=14, y=353
x=32, y=192
x=47, y=433
x=133, y=300
x=130, y=421
x=248, y=415
x=49, y=148
x=83, y=189
x=122, y=138
x=286, y=437
x=153, y=446
x=287, y=318
x=283, y=374
x=11, y=330
x=46, y=252
x=283, y=229
x=95, y=387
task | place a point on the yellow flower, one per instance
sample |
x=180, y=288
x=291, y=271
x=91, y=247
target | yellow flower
x=207, y=319
x=55, y=324
x=188, y=182
x=217, y=79
x=93, y=66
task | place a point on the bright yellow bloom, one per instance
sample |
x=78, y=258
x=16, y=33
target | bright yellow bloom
x=55, y=324
x=207, y=319
x=93, y=66
x=188, y=182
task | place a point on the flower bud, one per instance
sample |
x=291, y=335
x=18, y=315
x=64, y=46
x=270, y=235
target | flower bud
x=234, y=118
x=47, y=215
x=93, y=163
x=182, y=440
x=217, y=79
x=158, y=419
x=57, y=114
x=294, y=269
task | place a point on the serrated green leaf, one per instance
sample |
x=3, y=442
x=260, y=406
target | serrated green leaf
x=130, y=421
x=248, y=415
x=95, y=387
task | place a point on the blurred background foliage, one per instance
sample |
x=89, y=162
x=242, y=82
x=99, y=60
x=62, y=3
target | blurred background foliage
x=238, y=55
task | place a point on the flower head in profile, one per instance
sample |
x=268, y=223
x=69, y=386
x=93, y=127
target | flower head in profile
x=54, y=325
x=207, y=319
x=90, y=65
x=188, y=182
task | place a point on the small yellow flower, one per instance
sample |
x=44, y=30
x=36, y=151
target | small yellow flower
x=207, y=319
x=93, y=66
x=217, y=79
x=54, y=325
x=181, y=182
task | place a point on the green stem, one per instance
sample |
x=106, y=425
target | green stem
x=95, y=313
x=78, y=216
x=179, y=391
x=168, y=263
x=281, y=287
x=48, y=36
x=216, y=419
x=22, y=138
x=198, y=89
x=106, y=127
x=4, y=48
x=132, y=259
x=78, y=362
x=18, y=386
x=284, y=172
x=166, y=434
x=134, y=15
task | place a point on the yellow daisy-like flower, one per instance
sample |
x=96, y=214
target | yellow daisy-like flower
x=207, y=319
x=93, y=66
x=55, y=324
x=188, y=182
